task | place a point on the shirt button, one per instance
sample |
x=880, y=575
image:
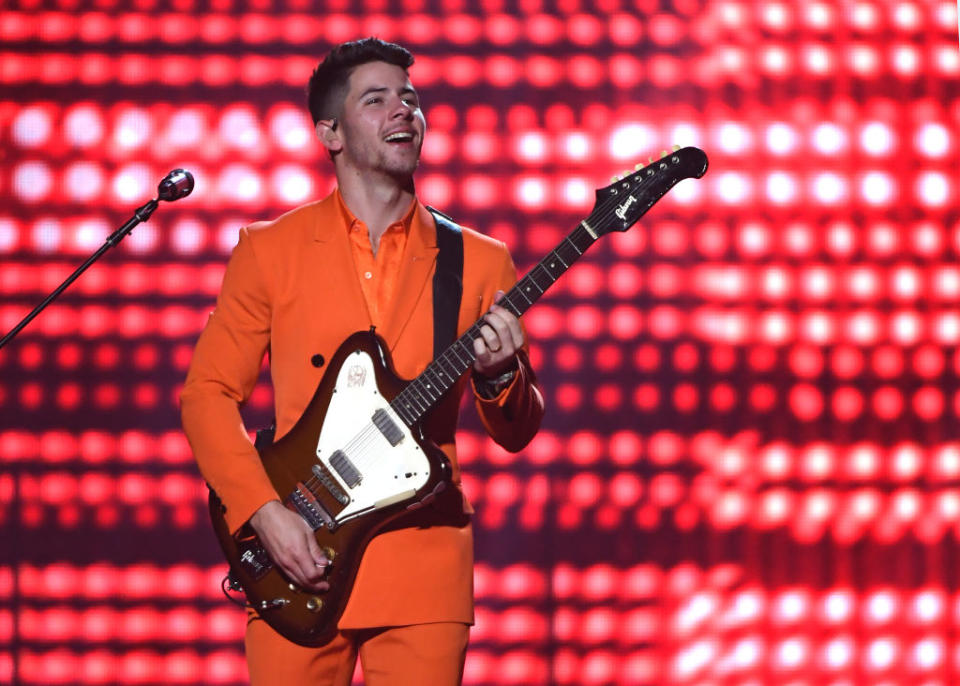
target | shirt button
x=368, y=275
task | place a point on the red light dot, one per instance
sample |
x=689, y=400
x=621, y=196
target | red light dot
x=686, y=357
x=723, y=397
x=723, y=358
x=686, y=397
x=608, y=397
x=646, y=397
x=887, y=362
x=647, y=357
x=928, y=361
x=887, y=403
x=806, y=401
x=806, y=361
x=928, y=403
x=847, y=403
x=846, y=362
x=569, y=397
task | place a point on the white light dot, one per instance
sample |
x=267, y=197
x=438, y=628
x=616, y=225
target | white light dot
x=143, y=239
x=239, y=128
x=876, y=138
x=132, y=129
x=187, y=236
x=792, y=653
x=46, y=235
x=882, y=653
x=781, y=138
x=9, y=234
x=733, y=138
x=631, y=141
x=83, y=181
x=775, y=60
x=818, y=58
x=132, y=183
x=928, y=653
x=240, y=183
x=905, y=328
x=829, y=138
x=732, y=187
x=877, y=188
x=881, y=606
x=906, y=60
x=838, y=606
x=532, y=192
x=829, y=188
x=819, y=15
x=864, y=60
x=947, y=59
x=291, y=129
x=928, y=606
x=31, y=127
x=84, y=126
x=838, y=653
x=576, y=146
x=532, y=147
x=186, y=128
x=90, y=234
x=32, y=181
x=933, y=140
x=864, y=16
x=933, y=189
x=576, y=192
x=686, y=192
x=906, y=16
x=781, y=188
x=291, y=184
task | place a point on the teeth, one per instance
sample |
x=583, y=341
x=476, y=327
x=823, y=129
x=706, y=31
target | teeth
x=400, y=136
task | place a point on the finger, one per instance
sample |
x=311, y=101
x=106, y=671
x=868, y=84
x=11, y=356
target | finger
x=491, y=338
x=500, y=321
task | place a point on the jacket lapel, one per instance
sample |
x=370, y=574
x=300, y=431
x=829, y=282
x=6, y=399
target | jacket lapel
x=334, y=261
x=416, y=267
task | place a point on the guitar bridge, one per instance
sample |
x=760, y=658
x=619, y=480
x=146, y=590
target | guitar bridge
x=311, y=509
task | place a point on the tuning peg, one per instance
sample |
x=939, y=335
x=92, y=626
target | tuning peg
x=675, y=147
x=663, y=153
x=614, y=178
x=651, y=160
x=637, y=167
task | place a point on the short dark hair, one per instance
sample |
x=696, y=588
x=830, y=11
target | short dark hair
x=327, y=87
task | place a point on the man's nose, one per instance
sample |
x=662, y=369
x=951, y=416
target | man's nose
x=402, y=110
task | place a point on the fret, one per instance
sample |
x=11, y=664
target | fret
x=557, y=255
x=529, y=301
x=424, y=389
x=579, y=251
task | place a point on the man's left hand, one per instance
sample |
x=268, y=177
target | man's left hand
x=501, y=338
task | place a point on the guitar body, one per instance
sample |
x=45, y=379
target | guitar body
x=349, y=466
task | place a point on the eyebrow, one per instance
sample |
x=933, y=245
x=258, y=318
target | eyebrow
x=384, y=89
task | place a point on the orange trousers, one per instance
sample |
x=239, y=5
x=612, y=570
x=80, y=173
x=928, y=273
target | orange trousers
x=412, y=655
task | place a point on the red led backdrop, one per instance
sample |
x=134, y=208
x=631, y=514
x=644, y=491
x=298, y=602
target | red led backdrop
x=750, y=469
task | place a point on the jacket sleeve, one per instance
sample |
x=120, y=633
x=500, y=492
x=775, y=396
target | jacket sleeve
x=222, y=375
x=513, y=417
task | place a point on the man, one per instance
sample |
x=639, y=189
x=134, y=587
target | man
x=297, y=287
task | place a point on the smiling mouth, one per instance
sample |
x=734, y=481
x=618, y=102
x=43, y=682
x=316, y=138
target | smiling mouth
x=399, y=137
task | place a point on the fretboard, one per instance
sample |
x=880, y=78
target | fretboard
x=423, y=392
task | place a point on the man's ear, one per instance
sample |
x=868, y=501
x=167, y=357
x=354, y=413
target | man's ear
x=328, y=132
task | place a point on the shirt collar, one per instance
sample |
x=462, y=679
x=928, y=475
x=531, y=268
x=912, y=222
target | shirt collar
x=351, y=222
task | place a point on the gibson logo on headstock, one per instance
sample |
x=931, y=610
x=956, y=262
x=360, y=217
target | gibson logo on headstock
x=621, y=210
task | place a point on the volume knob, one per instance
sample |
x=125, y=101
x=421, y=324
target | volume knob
x=314, y=604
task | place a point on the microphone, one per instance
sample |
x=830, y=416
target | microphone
x=177, y=184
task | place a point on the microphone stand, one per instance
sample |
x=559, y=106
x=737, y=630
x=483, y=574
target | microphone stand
x=177, y=184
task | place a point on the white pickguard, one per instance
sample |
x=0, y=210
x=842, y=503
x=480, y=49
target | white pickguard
x=388, y=473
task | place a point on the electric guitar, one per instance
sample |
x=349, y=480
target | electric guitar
x=357, y=458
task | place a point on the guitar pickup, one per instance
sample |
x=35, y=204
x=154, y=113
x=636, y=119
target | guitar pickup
x=344, y=467
x=387, y=427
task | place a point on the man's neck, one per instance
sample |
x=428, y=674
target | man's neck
x=378, y=203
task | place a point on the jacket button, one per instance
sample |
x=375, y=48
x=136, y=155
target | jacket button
x=317, y=360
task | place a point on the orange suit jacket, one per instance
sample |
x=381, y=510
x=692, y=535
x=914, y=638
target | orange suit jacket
x=291, y=290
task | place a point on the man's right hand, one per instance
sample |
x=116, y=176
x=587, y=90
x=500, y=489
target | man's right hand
x=291, y=545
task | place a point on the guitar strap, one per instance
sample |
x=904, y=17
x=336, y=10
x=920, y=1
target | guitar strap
x=447, y=281
x=447, y=294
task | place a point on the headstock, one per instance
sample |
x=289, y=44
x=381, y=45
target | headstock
x=624, y=201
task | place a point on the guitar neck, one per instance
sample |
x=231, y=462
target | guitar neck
x=421, y=394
